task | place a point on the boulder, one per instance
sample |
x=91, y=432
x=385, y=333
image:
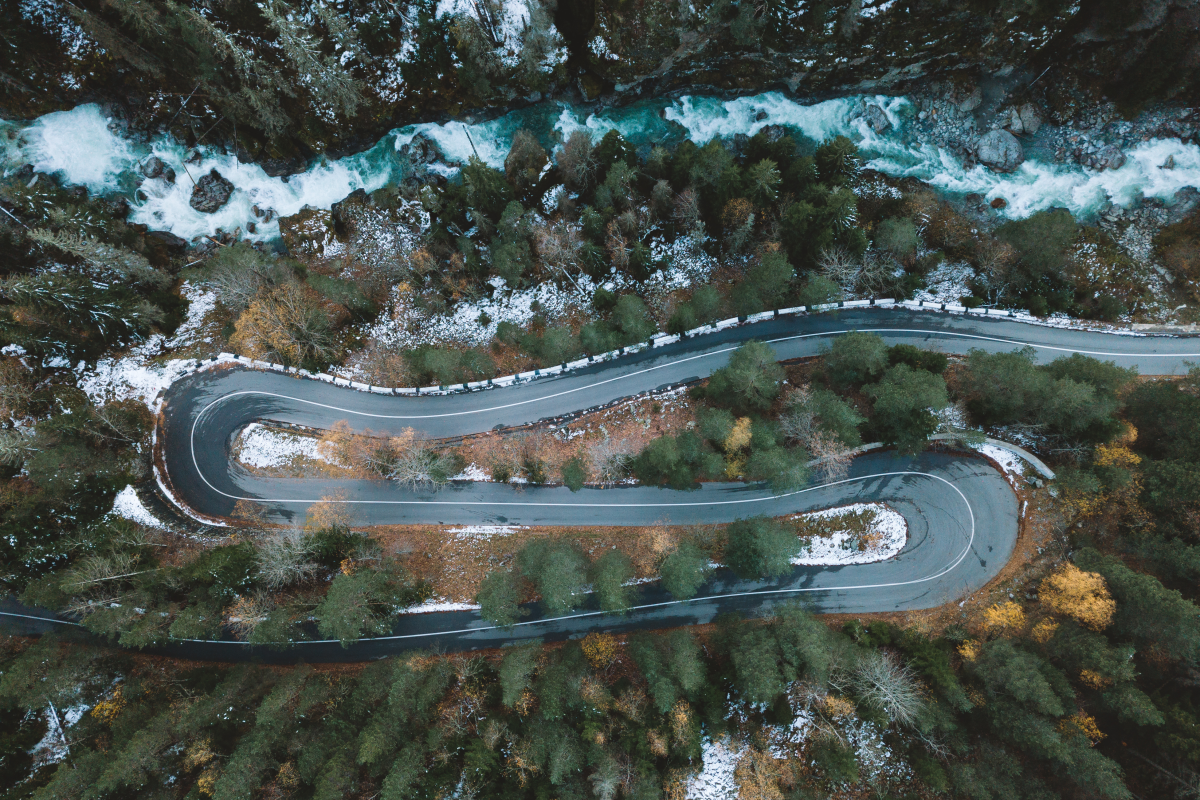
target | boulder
x=169, y=175
x=877, y=119
x=168, y=240
x=1012, y=121
x=972, y=101
x=211, y=192
x=153, y=167
x=342, y=212
x=773, y=133
x=1031, y=118
x=1000, y=151
x=1109, y=157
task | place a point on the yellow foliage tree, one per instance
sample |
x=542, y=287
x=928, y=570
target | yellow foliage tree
x=286, y=324
x=838, y=707
x=1084, y=724
x=1083, y=596
x=969, y=650
x=739, y=436
x=1004, y=617
x=757, y=775
x=1043, y=631
x=599, y=649
x=1094, y=679
x=108, y=709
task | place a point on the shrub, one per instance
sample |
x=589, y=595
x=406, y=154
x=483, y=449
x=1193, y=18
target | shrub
x=760, y=548
x=498, y=599
x=898, y=236
x=684, y=571
x=855, y=358
x=574, y=473
x=751, y=380
x=559, y=572
x=609, y=574
x=905, y=400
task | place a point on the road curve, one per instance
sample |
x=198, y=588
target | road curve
x=962, y=516
x=204, y=412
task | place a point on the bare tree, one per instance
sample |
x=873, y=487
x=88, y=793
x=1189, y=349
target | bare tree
x=610, y=458
x=831, y=457
x=421, y=466
x=798, y=422
x=891, y=687
x=839, y=265
x=248, y=612
x=687, y=214
x=15, y=446
x=559, y=245
x=283, y=558
x=575, y=160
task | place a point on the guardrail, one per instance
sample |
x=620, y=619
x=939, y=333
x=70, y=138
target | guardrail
x=657, y=340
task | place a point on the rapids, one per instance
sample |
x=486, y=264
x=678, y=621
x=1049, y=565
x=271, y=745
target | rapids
x=81, y=147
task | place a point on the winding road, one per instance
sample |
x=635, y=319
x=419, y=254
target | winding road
x=962, y=516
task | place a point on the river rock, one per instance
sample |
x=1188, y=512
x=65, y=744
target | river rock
x=773, y=133
x=1011, y=120
x=972, y=101
x=1000, y=151
x=1109, y=157
x=168, y=240
x=211, y=192
x=877, y=119
x=342, y=212
x=153, y=167
x=1030, y=117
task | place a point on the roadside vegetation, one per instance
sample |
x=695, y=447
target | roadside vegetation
x=1078, y=682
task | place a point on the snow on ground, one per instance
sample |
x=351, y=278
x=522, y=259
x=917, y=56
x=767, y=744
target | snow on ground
x=53, y=746
x=262, y=447
x=134, y=377
x=128, y=505
x=715, y=780
x=483, y=531
x=885, y=536
x=473, y=472
x=438, y=604
x=1010, y=462
x=201, y=302
x=407, y=326
x=947, y=283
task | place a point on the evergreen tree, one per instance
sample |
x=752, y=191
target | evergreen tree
x=760, y=548
x=684, y=571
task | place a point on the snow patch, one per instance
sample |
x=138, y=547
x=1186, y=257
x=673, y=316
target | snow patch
x=884, y=537
x=473, y=472
x=438, y=604
x=1010, y=462
x=134, y=377
x=715, y=780
x=128, y=505
x=263, y=447
x=483, y=531
x=201, y=303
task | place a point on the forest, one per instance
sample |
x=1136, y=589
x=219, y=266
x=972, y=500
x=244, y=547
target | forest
x=1071, y=676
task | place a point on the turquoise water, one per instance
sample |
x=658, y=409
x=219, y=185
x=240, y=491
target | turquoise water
x=79, y=146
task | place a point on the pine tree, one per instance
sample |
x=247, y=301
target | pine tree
x=325, y=76
x=610, y=573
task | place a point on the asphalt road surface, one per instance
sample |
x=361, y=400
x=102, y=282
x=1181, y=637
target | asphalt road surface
x=961, y=514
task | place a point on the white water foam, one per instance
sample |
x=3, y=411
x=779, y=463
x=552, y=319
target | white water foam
x=79, y=147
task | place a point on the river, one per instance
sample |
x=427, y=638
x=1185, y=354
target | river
x=81, y=147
